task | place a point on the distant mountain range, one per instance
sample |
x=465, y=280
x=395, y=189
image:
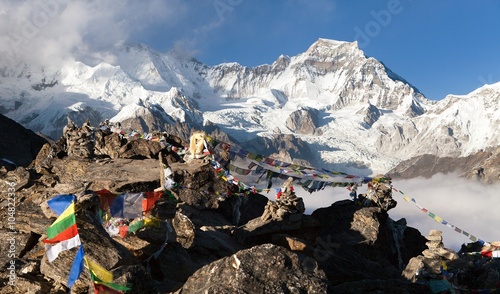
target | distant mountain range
x=338, y=108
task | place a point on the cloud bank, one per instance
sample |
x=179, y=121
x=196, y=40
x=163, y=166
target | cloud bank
x=469, y=205
x=48, y=31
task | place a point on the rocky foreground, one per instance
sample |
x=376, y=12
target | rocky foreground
x=208, y=236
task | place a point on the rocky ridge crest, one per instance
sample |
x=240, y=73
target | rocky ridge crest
x=214, y=228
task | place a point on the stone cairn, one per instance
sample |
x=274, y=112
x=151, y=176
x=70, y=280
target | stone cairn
x=431, y=264
x=379, y=194
x=286, y=205
x=79, y=141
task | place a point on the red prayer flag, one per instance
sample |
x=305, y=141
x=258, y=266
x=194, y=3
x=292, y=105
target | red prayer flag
x=149, y=202
x=103, y=289
x=123, y=231
x=106, y=197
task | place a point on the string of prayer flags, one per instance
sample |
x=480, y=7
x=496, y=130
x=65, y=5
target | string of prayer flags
x=254, y=169
x=63, y=234
x=128, y=205
x=438, y=219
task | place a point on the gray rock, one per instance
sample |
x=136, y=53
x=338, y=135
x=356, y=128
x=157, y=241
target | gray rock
x=261, y=269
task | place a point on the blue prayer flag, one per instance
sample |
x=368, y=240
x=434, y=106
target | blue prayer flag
x=76, y=268
x=59, y=203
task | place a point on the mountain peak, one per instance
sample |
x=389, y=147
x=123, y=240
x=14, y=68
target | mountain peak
x=321, y=42
x=329, y=48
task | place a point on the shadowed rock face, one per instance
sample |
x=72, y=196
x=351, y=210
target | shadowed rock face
x=18, y=144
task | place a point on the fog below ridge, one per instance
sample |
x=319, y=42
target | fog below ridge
x=468, y=205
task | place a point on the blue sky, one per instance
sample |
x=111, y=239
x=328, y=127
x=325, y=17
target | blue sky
x=441, y=47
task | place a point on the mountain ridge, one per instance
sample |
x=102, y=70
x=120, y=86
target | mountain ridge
x=363, y=111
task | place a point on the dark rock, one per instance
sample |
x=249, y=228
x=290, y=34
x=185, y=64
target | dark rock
x=199, y=183
x=136, y=277
x=262, y=269
x=184, y=230
x=252, y=206
x=139, y=149
x=76, y=175
x=28, y=218
x=18, y=144
x=370, y=115
x=108, y=144
x=381, y=286
x=258, y=231
x=172, y=268
x=368, y=231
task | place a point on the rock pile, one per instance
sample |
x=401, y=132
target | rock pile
x=287, y=204
x=433, y=261
x=79, y=142
x=379, y=194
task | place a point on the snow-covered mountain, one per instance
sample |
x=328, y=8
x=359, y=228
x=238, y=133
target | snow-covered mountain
x=356, y=114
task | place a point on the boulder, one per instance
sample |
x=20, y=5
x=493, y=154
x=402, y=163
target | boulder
x=184, y=230
x=265, y=268
x=368, y=231
x=139, y=149
x=108, y=144
x=258, y=231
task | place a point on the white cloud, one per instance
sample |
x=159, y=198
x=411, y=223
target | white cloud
x=469, y=205
x=53, y=30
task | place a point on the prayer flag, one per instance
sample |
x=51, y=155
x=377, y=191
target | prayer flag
x=53, y=251
x=149, y=202
x=106, y=197
x=62, y=235
x=103, y=289
x=98, y=279
x=98, y=271
x=76, y=268
x=65, y=224
x=59, y=203
x=127, y=205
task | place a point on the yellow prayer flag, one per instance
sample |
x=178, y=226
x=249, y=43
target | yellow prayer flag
x=407, y=199
x=152, y=222
x=69, y=211
x=98, y=271
x=444, y=265
x=438, y=219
